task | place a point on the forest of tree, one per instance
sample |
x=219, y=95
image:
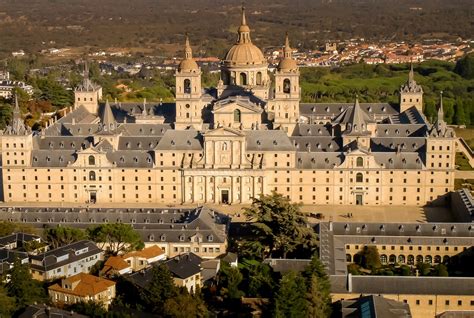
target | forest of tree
x=150, y=24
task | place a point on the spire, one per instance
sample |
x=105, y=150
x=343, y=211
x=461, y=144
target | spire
x=16, y=110
x=440, y=109
x=287, y=49
x=244, y=20
x=357, y=120
x=244, y=30
x=108, y=119
x=188, y=51
x=411, y=75
x=86, y=70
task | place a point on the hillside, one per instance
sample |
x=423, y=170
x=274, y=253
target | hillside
x=151, y=24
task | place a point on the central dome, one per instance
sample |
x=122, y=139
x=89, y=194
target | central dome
x=244, y=54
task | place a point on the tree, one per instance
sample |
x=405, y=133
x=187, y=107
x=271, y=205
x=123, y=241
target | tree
x=229, y=281
x=319, y=289
x=116, y=237
x=185, y=305
x=63, y=235
x=465, y=66
x=260, y=281
x=369, y=258
x=280, y=225
x=459, y=115
x=7, y=228
x=290, y=300
x=22, y=287
x=441, y=270
x=7, y=303
x=159, y=290
x=89, y=308
x=424, y=269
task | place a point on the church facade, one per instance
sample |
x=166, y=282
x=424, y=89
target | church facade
x=231, y=143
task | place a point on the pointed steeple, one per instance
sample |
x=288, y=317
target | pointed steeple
x=357, y=120
x=188, y=51
x=441, y=109
x=17, y=126
x=16, y=110
x=411, y=75
x=244, y=30
x=287, y=63
x=188, y=64
x=108, y=119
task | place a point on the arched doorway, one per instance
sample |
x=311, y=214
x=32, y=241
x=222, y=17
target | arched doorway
x=243, y=79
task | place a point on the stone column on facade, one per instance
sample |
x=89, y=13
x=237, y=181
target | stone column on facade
x=216, y=199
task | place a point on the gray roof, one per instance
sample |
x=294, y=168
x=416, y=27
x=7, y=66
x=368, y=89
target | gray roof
x=333, y=109
x=286, y=265
x=319, y=160
x=153, y=224
x=268, y=140
x=377, y=306
x=190, y=140
x=401, y=285
x=50, y=260
x=18, y=238
x=184, y=265
x=46, y=311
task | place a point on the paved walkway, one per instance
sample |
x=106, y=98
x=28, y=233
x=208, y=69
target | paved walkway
x=334, y=213
x=469, y=174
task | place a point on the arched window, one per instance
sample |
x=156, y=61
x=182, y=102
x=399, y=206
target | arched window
x=224, y=146
x=91, y=176
x=437, y=259
x=349, y=258
x=286, y=86
x=91, y=160
x=411, y=260
x=359, y=177
x=259, y=78
x=237, y=116
x=401, y=259
x=419, y=259
x=187, y=86
x=428, y=259
x=360, y=162
x=243, y=79
x=392, y=259
x=383, y=259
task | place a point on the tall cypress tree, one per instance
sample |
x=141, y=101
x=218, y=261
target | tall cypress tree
x=290, y=300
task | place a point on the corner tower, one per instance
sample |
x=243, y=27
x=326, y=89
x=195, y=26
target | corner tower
x=285, y=104
x=188, y=92
x=411, y=94
x=88, y=94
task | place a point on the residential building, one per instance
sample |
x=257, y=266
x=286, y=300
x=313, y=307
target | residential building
x=230, y=144
x=200, y=230
x=8, y=258
x=83, y=287
x=139, y=260
x=65, y=261
x=186, y=271
x=45, y=311
x=18, y=240
x=115, y=266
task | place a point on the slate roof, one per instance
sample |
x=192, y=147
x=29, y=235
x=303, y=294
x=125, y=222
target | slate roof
x=377, y=306
x=153, y=224
x=185, y=265
x=190, y=140
x=268, y=140
x=333, y=109
x=46, y=311
x=287, y=265
x=18, y=238
x=49, y=259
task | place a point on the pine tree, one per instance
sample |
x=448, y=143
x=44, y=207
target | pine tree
x=23, y=287
x=459, y=116
x=319, y=289
x=290, y=300
x=7, y=303
x=160, y=289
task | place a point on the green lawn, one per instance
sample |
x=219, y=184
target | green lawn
x=462, y=162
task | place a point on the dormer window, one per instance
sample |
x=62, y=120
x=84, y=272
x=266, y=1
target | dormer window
x=151, y=237
x=181, y=238
x=163, y=238
x=210, y=238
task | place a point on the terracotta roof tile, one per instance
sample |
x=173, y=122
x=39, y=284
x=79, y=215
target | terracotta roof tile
x=88, y=285
x=148, y=252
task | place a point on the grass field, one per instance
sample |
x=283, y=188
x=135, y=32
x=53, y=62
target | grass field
x=462, y=162
x=467, y=134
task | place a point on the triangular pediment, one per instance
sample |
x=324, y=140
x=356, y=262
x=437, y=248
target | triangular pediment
x=236, y=103
x=223, y=131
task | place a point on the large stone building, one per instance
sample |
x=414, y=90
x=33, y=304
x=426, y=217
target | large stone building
x=231, y=143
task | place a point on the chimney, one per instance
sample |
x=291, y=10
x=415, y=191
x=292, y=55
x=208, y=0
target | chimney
x=349, y=283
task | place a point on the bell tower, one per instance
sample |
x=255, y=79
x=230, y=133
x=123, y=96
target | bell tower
x=189, y=106
x=285, y=104
x=88, y=94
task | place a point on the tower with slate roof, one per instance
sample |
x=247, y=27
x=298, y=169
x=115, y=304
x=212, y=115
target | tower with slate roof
x=411, y=94
x=88, y=94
